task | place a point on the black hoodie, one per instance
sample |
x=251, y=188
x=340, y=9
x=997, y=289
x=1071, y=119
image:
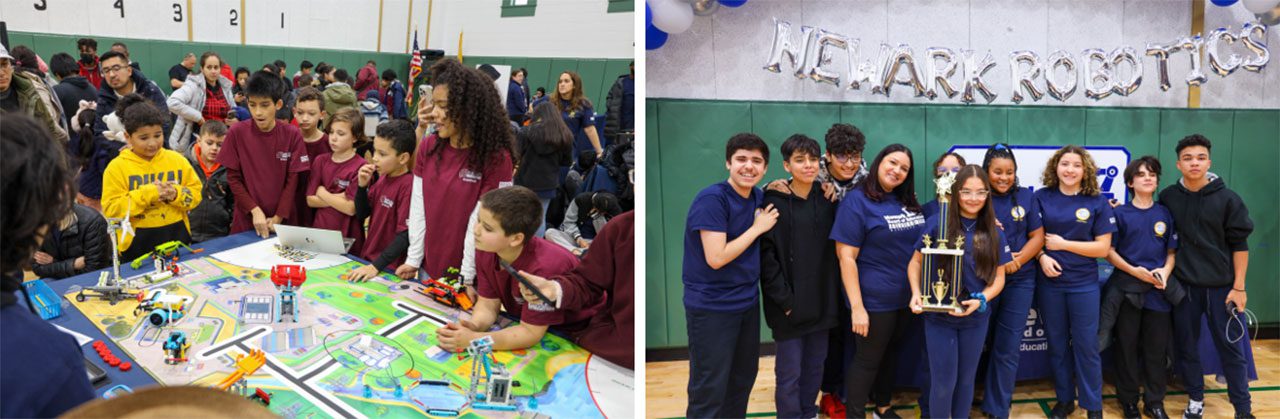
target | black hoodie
x=798, y=266
x=71, y=91
x=1212, y=223
x=540, y=162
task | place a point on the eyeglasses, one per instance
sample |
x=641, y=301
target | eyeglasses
x=6, y=65
x=106, y=71
x=968, y=194
x=847, y=158
x=943, y=170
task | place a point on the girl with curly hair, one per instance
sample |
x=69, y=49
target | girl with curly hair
x=1078, y=223
x=469, y=154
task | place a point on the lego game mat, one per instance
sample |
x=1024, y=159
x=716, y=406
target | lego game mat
x=355, y=349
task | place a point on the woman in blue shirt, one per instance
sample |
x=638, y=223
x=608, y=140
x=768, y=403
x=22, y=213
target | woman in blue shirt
x=1142, y=253
x=882, y=211
x=1019, y=218
x=948, y=162
x=578, y=113
x=1078, y=223
x=954, y=339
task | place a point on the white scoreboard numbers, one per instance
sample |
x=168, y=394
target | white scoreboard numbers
x=327, y=24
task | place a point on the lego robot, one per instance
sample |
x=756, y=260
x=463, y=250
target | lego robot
x=163, y=308
x=495, y=391
x=287, y=279
x=175, y=349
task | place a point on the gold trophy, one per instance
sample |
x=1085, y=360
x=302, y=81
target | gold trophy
x=942, y=295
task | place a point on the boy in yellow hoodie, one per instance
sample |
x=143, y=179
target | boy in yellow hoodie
x=151, y=185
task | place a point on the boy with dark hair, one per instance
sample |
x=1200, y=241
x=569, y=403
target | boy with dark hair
x=304, y=70
x=393, y=95
x=721, y=272
x=212, y=218
x=799, y=273
x=88, y=48
x=43, y=367
x=72, y=87
x=843, y=166
x=263, y=160
x=1213, y=228
x=338, y=94
x=504, y=234
x=387, y=201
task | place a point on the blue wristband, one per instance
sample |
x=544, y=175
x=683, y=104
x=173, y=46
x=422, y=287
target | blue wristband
x=982, y=301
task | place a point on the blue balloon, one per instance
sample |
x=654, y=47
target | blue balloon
x=654, y=38
x=1224, y=3
x=733, y=3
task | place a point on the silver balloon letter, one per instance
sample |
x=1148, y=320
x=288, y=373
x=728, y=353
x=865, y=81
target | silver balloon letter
x=826, y=42
x=1059, y=91
x=973, y=72
x=1161, y=52
x=902, y=57
x=1024, y=79
x=940, y=76
x=1192, y=46
x=1215, y=62
x=784, y=47
x=1097, y=81
x=1125, y=87
x=1264, y=55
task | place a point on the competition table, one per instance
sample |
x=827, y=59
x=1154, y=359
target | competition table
x=591, y=388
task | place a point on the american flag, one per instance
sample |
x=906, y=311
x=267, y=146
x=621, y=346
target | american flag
x=415, y=64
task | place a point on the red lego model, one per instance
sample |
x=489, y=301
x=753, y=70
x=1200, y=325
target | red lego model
x=288, y=278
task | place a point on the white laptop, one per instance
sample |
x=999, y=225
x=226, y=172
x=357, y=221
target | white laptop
x=316, y=240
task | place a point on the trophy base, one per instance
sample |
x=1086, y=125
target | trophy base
x=941, y=308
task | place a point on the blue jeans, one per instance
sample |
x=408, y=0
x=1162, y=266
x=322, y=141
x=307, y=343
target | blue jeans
x=1008, y=322
x=542, y=226
x=953, y=363
x=724, y=357
x=1209, y=302
x=1071, y=323
x=798, y=370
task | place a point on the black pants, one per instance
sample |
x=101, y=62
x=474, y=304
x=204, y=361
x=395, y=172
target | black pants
x=833, y=369
x=1142, y=345
x=724, y=356
x=872, y=373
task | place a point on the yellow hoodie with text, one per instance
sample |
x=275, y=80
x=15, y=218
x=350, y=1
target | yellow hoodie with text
x=128, y=187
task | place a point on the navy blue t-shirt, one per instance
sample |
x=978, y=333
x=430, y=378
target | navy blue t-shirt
x=1144, y=239
x=884, y=232
x=929, y=209
x=731, y=288
x=44, y=373
x=1077, y=218
x=579, y=121
x=1020, y=215
x=969, y=270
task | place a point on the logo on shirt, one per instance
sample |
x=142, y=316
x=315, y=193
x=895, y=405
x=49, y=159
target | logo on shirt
x=343, y=183
x=1160, y=229
x=1018, y=212
x=904, y=221
x=305, y=158
x=1082, y=215
x=469, y=176
x=541, y=306
x=387, y=202
x=285, y=155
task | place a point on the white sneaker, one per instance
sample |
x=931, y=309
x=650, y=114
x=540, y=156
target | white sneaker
x=1195, y=410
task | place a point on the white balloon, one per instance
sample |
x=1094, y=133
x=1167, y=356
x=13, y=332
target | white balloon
x=1259, y=6
x=671, y=16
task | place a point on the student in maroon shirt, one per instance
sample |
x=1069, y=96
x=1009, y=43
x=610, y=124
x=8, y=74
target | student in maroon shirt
x=606, y=273
x=507, y=220
x=469, y=155
x=263, y=160
x=308, y=111
x=387, y=200
x=331, y=191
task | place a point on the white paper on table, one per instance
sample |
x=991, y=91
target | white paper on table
x=81, y=339
x=262, y=255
